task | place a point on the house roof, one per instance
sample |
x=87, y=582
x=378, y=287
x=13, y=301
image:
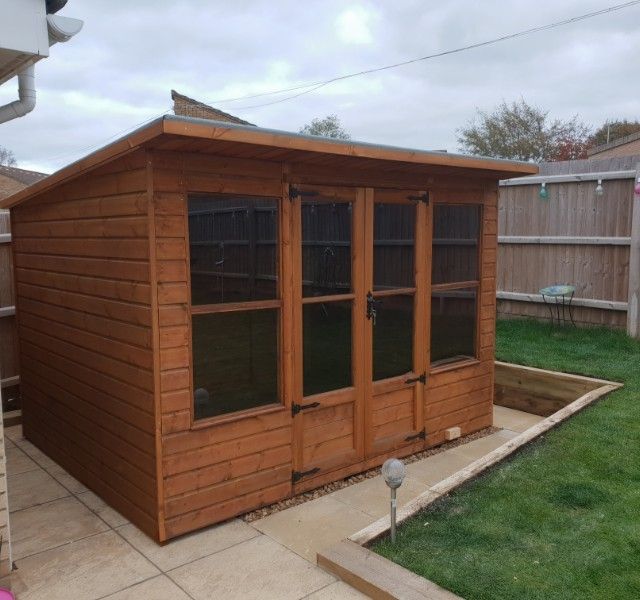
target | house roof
x=211, y=137
x=21, y=175
x=188, y=107
x=627, y=139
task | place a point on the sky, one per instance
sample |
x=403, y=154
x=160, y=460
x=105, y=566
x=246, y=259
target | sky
x=119, y=70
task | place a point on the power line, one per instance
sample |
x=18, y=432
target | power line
x=319, y=84
x=308, y=88
x=102, y=143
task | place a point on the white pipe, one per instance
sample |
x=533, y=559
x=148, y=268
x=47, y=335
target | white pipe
x=26, y=94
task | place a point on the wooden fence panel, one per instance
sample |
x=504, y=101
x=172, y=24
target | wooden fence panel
x=574, y=237
x=8, y=337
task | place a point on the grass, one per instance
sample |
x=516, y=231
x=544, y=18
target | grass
x=561, y=520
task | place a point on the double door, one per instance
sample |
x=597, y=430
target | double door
x=361, y=282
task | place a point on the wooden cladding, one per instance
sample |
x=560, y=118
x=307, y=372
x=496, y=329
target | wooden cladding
x=83, y=291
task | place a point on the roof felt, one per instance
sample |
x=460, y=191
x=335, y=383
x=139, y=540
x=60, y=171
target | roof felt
x=214, y=137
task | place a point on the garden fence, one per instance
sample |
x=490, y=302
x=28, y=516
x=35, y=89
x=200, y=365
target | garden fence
x=8, y=339
x=574, y=236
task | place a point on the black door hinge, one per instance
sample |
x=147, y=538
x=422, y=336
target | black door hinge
x=421, y=378
x=421, y=435
x=294, y=192
x=421, y=198
x=296, y=408
x=298, y=475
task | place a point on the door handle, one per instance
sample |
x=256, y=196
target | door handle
x=371, y=307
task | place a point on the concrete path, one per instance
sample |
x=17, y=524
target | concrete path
x=68, y=544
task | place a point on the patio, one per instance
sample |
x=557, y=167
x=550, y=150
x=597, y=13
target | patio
x=67, y=543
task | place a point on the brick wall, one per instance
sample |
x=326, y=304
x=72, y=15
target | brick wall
x=188, y=107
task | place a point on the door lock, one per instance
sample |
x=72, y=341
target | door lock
x=371, y=307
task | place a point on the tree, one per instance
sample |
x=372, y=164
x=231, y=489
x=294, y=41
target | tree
x=7, y=158
x=614, y=130
x=330, y=126
x=521, y=131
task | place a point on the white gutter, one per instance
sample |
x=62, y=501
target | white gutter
x=26, y=94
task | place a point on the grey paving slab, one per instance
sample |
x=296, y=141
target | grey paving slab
x=188, y=548
x=46, y=526
x=85, y=570
x=258, y=569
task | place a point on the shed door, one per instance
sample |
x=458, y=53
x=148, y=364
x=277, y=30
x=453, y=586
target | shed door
x=329, y=316
x=397, y=265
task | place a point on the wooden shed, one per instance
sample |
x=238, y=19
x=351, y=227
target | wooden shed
x=214, y=317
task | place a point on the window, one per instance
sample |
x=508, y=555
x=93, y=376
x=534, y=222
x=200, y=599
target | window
x=235, y=298
x=455, y=282
x=327, y=294
x=394, y=227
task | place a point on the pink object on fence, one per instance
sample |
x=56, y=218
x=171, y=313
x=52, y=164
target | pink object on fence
x=6, y=595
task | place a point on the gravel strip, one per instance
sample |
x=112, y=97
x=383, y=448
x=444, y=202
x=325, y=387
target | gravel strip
x=343, y=483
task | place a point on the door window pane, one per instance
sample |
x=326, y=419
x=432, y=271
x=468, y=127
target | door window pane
x=235, y=361
x=453, y=325
x=326, y=329
x=234, y=248
x=393, y=246
x=456, y=230
x=326, y=248
x=393, y=337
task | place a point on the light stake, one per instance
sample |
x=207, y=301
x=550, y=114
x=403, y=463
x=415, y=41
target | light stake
x=393, y=472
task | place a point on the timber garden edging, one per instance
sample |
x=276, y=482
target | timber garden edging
x=379, y=577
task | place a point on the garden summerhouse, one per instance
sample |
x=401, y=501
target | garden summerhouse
x=214, y=317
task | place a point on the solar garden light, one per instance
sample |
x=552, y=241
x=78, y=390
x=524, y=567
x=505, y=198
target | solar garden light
x=393, y=472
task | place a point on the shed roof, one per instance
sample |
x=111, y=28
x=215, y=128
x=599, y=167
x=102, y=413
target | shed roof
x=187, y=134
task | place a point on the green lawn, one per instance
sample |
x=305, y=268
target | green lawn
x=561, y=519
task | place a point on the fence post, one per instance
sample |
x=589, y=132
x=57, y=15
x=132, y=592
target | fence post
x=633, y=311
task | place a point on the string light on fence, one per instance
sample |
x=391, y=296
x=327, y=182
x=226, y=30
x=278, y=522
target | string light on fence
x=599, y=188
x=544, y=192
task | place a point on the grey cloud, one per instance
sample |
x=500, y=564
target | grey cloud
x=120, y=68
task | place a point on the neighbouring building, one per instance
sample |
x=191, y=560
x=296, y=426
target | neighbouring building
x=12, y=179
x=184, y=106
x=624, y=146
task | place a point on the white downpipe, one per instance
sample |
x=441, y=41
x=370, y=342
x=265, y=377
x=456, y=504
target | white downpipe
x=26, y=94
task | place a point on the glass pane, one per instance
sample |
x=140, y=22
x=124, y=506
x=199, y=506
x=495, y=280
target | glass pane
x=456, y=230
x=393, y=246
x=233, y=244
x=326, y=248
x=393, y=337
x=235, y=361
x=453, y=325
x=326, y=331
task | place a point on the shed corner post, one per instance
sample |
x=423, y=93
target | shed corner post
x=633, y=307
x=155, y=326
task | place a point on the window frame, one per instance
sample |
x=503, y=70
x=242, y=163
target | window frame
x=392, y=198
x=441, y=366
x=279, y=303
x=328, y=194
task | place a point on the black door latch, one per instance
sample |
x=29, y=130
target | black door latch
x=296, y=408
x=421, y=378
x=298, y=475
x=421, y=435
